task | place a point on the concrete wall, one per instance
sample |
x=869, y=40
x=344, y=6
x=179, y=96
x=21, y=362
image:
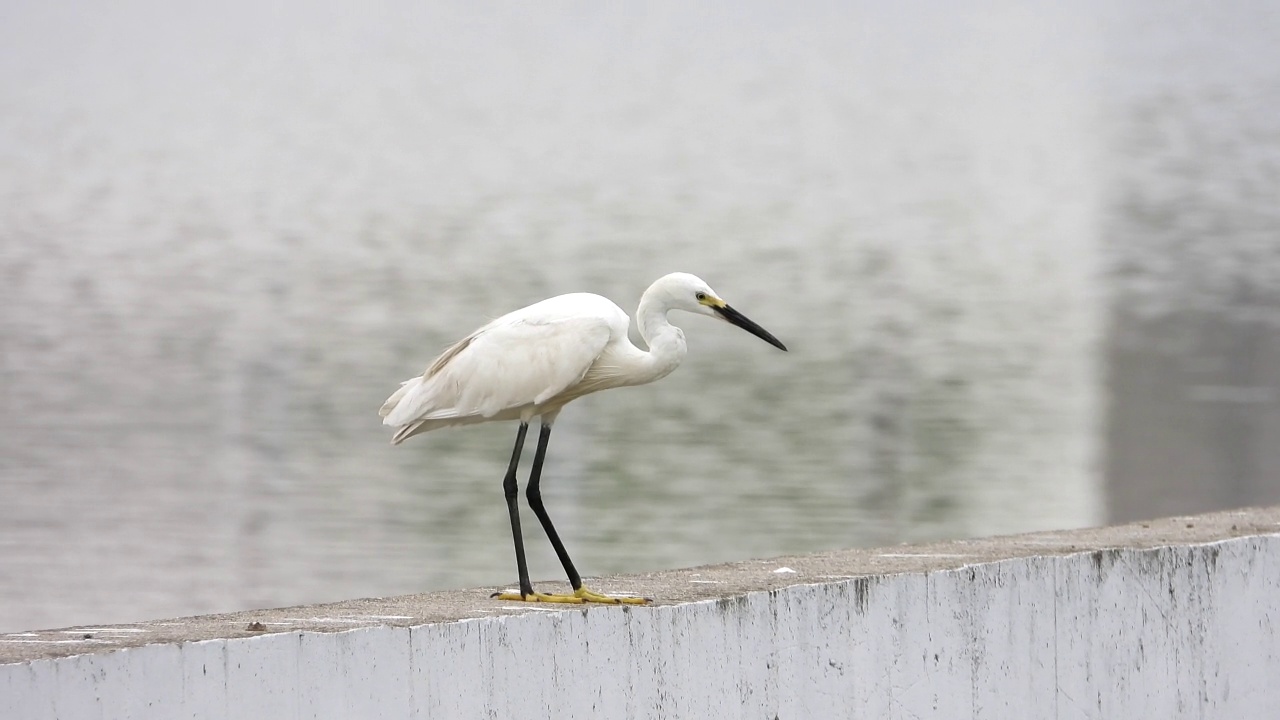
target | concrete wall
x=1179, y=619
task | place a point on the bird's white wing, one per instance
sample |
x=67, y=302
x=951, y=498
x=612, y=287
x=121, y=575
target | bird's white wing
x=503, y=365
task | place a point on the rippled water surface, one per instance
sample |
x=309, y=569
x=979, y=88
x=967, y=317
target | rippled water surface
x=228, y=233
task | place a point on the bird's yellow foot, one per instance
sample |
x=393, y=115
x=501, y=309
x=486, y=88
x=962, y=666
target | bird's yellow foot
x=586, y=595
x=579, y=596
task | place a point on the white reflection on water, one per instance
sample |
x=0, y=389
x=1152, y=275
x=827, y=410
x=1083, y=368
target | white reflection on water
x=228, y=237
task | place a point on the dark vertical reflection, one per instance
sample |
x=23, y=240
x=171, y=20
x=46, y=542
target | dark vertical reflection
x=1193, y=233
x=1193, y=424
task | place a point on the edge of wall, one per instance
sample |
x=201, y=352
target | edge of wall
x=1160, y=615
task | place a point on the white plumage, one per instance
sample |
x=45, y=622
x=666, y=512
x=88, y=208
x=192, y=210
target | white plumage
x=533, y=361
x=512, y=367
x=536, y=359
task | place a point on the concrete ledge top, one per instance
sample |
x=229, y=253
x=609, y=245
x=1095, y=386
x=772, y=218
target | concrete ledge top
x=670, y=587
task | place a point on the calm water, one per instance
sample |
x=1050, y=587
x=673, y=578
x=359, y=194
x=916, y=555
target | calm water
x=1192, y=228
x=228, y=233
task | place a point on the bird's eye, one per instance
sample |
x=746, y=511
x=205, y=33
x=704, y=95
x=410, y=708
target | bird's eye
x=700, y=296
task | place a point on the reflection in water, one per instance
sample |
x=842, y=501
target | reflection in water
x=1194, y=232
x=224, y=244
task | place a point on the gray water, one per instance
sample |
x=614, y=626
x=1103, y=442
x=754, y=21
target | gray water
x=229, y=232
x=1193, y=236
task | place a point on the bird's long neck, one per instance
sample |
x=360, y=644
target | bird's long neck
x=665, y=341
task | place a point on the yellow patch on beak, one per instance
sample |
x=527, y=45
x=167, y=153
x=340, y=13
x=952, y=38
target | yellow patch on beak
x=713, y=301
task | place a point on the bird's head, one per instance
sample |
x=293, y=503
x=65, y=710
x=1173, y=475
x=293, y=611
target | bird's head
x=682, y=291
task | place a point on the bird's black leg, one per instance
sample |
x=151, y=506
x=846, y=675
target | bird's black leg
x=580, y=593
x=513, y=495
x=534, y=493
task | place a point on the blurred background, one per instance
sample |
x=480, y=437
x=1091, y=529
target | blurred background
x=1026, y=259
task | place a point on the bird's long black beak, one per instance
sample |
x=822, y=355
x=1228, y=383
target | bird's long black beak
x=742, y=321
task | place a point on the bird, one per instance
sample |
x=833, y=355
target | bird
x=531, y=363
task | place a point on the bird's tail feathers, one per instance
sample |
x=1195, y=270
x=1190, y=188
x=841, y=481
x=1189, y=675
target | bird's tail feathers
x=406, y=432
x=395, y=398
x=441, y=419
x=416, y=399
x=416, y=407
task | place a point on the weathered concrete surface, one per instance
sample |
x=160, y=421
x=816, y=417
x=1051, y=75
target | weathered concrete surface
x=1172, y=618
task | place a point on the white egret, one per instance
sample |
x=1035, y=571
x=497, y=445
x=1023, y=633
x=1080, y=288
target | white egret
x=532, y=362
